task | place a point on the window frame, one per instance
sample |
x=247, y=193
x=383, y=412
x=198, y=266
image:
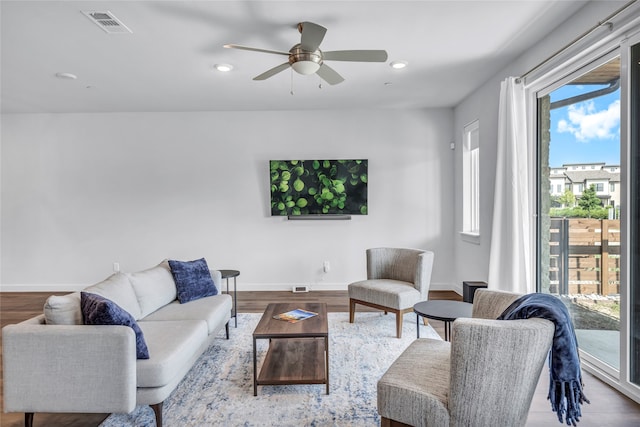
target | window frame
x=544, y=81
x=471, y=182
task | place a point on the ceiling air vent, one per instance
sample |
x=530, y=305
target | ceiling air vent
x=108, y=22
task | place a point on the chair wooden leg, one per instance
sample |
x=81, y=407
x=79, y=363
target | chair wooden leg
x=352, y=310
x=399, y=316
x=28, y=419
x=157, y=409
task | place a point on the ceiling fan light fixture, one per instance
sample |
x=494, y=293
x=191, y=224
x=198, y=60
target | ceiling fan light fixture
x=305, y=67
x=398, y=65
x=305, y=62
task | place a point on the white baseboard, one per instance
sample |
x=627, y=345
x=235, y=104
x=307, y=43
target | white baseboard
x=43, y=288
x=242, y=286
x=325, y=286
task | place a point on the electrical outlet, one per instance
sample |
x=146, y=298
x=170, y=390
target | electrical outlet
x=116, y=267
x=326, y=267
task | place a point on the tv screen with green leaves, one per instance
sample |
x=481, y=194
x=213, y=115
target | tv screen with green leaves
x=318, y=187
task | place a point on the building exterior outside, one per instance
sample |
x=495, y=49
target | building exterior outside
x=577, y=177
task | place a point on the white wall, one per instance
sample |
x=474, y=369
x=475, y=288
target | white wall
x=472, y=260
x=81, y=191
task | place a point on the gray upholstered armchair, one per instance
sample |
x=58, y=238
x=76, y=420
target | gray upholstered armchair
x=486, y=375
x=397, y=279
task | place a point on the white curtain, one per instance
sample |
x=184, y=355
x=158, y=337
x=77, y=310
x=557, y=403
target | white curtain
x=509, y=262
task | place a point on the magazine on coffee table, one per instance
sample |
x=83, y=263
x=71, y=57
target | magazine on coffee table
x=296, y=315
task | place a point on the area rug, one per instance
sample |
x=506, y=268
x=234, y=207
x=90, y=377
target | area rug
x=218, y=391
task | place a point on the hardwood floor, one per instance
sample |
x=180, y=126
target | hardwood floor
x=608, y=407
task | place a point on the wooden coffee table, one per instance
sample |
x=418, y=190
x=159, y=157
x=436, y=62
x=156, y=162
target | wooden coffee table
x=298, y=352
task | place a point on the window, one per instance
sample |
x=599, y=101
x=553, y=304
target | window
x=580, y=188
x=599, y=186
x=559, y=188
x=470, y=186
x=612, y=187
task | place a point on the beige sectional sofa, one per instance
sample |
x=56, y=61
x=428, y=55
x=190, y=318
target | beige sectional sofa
x=55, y=363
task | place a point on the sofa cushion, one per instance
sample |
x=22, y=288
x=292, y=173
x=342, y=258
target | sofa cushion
x=215, y=310
x=154, y=287
x=172, y=344
x=98, y=310
x=193, y=279
x=118, y=289
x=63, y=310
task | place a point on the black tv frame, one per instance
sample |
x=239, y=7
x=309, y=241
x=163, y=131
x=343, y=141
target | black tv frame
x=318, y=188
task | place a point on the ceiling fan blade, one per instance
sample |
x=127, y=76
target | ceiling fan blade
x=312, y=36
x=356, y=55
x=329, y=75
x=272, y=72
x=238, y=46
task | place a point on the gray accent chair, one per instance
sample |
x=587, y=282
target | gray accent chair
x=397, y=279
x=486, y=375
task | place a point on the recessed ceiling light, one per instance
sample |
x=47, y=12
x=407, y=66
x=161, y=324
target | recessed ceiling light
x=223, y=67
x=68, y=76
x=398, y=65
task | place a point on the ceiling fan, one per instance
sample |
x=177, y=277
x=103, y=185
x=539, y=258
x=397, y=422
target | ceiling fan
x=306, y=57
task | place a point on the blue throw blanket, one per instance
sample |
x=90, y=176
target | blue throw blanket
x=565, y=386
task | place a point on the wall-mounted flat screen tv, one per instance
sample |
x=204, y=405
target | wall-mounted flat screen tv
x=318, y=187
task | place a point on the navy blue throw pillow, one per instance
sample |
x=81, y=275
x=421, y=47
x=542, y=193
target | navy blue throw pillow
x=98, y=310
x=193, y=279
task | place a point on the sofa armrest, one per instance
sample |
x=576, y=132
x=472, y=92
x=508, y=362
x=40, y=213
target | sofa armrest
x=216, y=275
x=68, y=368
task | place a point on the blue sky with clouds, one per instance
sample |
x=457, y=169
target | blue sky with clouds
x=586, y=132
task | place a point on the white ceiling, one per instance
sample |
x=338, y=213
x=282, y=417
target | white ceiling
x=166, y=64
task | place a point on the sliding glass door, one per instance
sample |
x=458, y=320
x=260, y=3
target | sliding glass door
x=588, y=207
x=579, y=198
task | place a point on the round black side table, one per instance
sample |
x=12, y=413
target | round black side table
x=443, y=310
x=227, y=274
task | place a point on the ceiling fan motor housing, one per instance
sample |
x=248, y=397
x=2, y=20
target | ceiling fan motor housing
x=303, y=61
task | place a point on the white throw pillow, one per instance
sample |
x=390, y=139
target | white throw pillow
x=154, y=287
x=118, y=289
x=63, y=310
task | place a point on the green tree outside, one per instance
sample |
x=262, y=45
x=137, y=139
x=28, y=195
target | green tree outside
x=568, y=199
x=589, y=206
x=589, y=201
